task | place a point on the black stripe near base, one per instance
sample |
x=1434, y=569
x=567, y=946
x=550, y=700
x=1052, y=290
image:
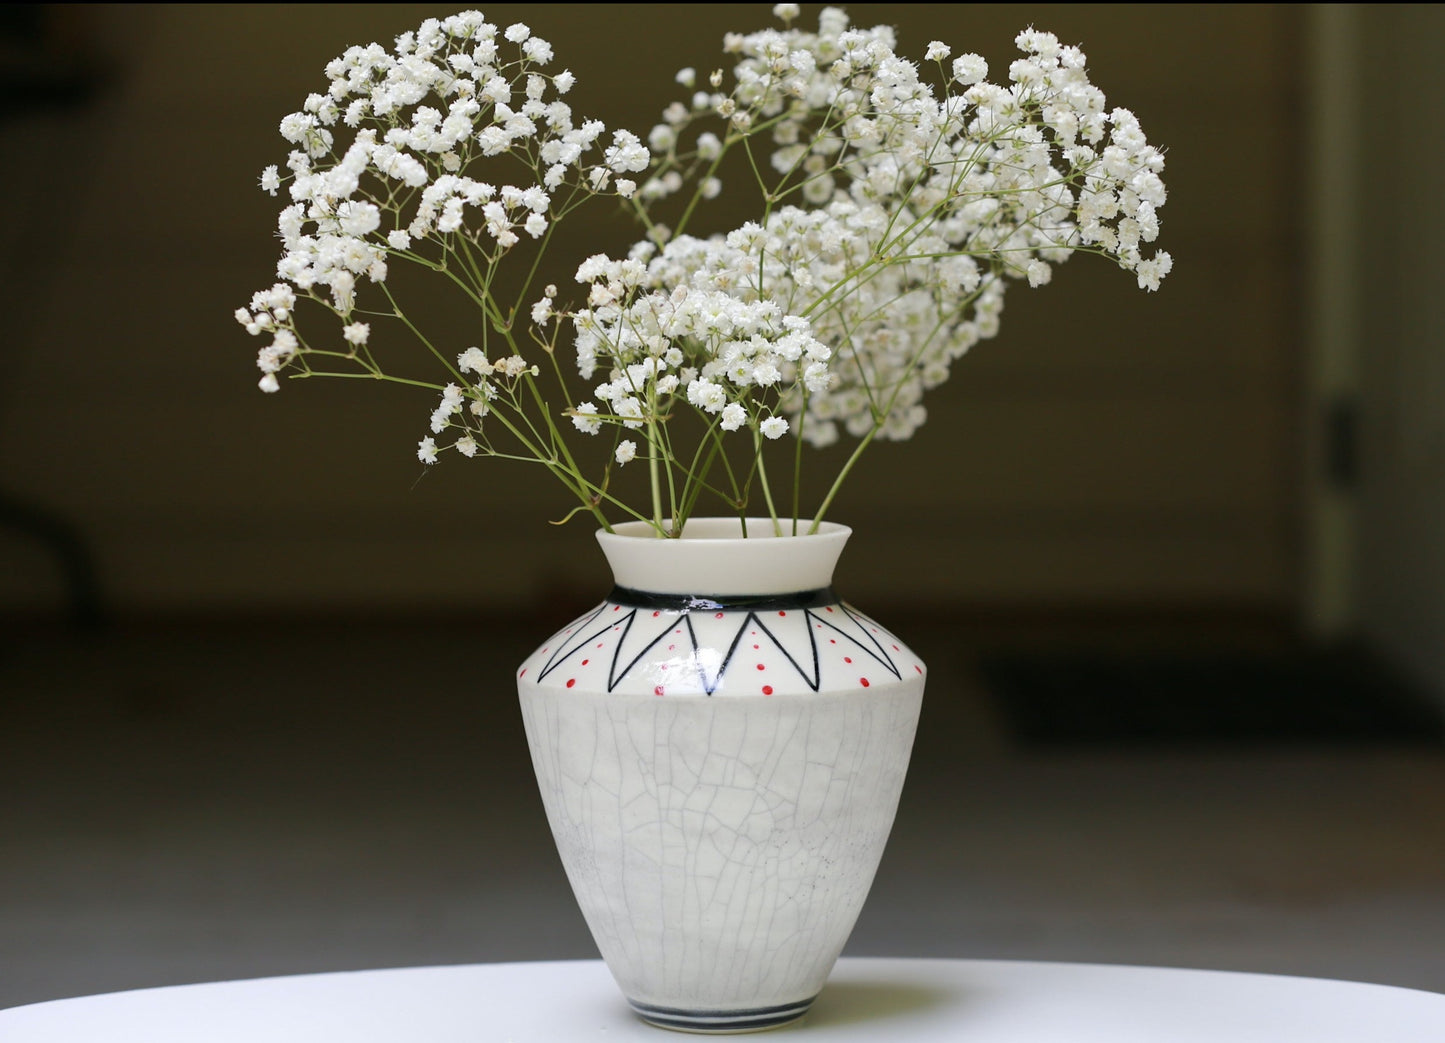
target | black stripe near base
x=721, y=1021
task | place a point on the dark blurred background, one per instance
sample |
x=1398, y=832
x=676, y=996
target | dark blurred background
x=1175, y=559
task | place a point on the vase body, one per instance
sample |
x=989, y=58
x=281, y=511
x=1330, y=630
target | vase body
x=720, y=747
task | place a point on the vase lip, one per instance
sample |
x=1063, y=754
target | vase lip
x=712, y=558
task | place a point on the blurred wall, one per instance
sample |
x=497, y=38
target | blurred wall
x=1397, y=150
x=1109, y=448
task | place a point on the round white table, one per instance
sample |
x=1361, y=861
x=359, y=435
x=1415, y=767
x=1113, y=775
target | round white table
x=902, y=1001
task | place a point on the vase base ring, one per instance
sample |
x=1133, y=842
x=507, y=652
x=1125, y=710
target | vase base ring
x=720, y=1022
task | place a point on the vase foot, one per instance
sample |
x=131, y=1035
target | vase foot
x=719, y=1022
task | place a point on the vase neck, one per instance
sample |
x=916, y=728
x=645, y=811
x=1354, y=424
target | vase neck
x=713, y=561
x=723, y=602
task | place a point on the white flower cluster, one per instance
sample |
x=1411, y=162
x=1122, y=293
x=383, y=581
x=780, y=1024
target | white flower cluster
x=896, y=203
x=423, y=116
x=731, y=359
x=912, y=207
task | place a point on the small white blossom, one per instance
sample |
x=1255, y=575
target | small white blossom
x=626, y=154
x=426, y=450
x=538, y=50
x=472, y=360
x=626, y=451
x=969, y=69
x=774, y=427
x=582, y=419
x=270, y=180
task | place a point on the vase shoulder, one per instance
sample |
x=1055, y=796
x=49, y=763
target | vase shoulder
x=797, y=644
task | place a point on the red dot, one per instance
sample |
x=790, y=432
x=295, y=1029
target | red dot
x=586, y=661
x=767, y=689
x=523, y=673
x=571, y=681
x=671, y=647
x=755, y=646
x=782, y=613
x=897, y=649
x=657, y=690
x=760, y=666
x=918, y=668
x=863, y=681
x=656, y=614
x=599, y=644
x=847, y=659
x=718, y=616
x=616, y=608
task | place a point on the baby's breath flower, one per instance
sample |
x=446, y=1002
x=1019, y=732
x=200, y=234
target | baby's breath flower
x=473, y=361
x=583, y=418
x=969, y=69
x=626, y=154
x=774, y=427
x=898, y=212
x=538, y=50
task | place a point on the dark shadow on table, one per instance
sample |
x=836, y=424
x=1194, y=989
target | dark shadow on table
x=853, y=1002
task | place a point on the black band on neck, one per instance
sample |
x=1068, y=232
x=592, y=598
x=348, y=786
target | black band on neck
x=723, y=603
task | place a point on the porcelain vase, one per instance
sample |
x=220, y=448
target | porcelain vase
x=720, y=747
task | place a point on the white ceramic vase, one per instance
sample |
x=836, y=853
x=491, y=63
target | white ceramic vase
x=720, y=746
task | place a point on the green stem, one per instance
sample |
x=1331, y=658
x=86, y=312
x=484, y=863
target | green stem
x=763, y=480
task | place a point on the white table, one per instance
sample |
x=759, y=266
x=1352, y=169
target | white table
x=900, y=1001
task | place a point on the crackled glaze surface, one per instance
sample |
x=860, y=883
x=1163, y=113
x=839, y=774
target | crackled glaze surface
x=721, y=774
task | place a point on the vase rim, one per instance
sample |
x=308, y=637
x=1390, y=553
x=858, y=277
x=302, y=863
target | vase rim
x=712, y=558
x=724, y=528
